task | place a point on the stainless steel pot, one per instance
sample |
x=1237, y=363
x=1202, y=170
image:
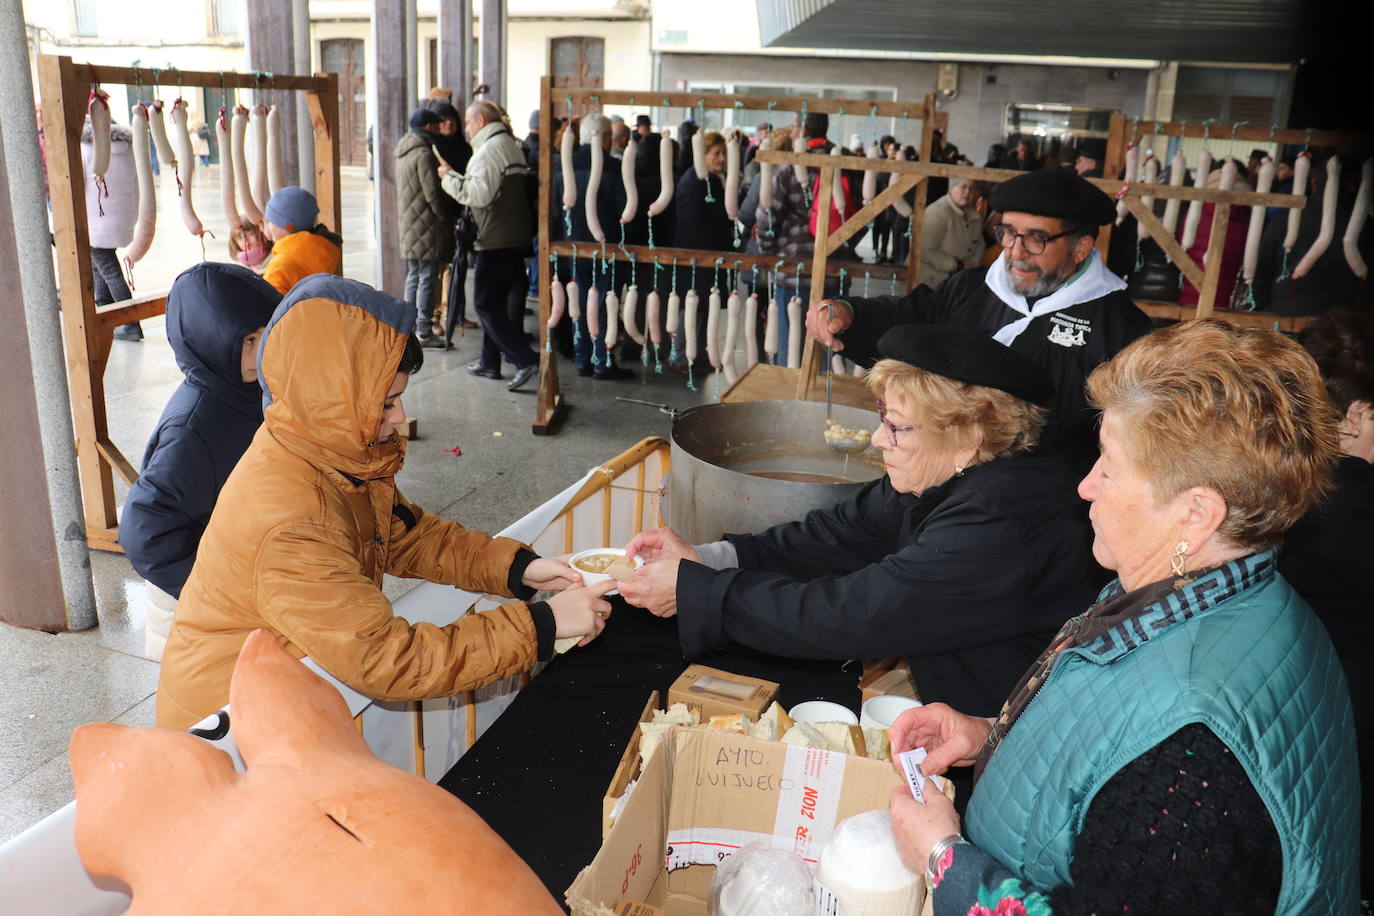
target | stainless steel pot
x=719, y=450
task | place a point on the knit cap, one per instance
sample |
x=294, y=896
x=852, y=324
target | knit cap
x=293, y=207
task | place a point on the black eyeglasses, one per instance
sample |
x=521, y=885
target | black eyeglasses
x=1033, y=240
x=894, y=430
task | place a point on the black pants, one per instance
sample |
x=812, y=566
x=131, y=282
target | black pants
x=109, y=278
x=493, y=275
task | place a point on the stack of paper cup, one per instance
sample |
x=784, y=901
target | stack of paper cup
x=881, y=712
x=761, y=881
x=862, y=869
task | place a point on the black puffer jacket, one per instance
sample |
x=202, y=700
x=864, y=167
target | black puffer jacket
x=426, y=212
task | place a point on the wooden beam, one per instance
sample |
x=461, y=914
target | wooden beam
x=1288, y=135
x=63, y=90
x=323, y=106
x=393, y=108
x=147, y=305
x=272, y=49
x=1172, y=311
x=1207, y=293
x=996, y=176
x=870, y=210
x=1165, y=239
x=917, y=220
x=810, y=104
x=549, y=398
x=664, y=257
x=130, y=76
x=810, y=352
x=115, y=458
x=1113, y=164
x=494, y=49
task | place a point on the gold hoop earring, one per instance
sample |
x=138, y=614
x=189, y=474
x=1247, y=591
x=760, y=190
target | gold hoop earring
x=1176, y=564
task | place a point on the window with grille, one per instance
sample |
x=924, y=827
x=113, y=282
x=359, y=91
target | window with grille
x=224, y=17
x=83, y=18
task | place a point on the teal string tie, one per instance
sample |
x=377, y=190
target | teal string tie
x=1139, y=257
x=1283, y=268
x=868, y=277
x=691, y=381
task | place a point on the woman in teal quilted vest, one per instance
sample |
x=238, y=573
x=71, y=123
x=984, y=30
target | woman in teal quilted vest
x=1186, y=745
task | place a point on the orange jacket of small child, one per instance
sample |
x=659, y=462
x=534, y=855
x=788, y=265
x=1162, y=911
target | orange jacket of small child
x=299, y=255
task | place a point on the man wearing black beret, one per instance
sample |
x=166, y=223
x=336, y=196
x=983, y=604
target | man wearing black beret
x=1048, y=296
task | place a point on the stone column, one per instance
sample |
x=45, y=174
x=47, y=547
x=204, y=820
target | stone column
x=494, y=49
x=389, y=121
x=301, y=47
x=272, y=49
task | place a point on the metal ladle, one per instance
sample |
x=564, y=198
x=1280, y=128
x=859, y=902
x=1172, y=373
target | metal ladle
x=848, y=445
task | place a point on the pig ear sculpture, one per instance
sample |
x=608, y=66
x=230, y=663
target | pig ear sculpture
x=316, y=824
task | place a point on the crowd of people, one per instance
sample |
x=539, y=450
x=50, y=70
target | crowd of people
x=1193, y=741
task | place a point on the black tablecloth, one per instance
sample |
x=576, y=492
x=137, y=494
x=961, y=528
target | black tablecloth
x=539, y=773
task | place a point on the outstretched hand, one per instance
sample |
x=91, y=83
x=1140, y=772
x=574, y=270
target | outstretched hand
x=551, y=574
x=654, y=587
x=660, y=544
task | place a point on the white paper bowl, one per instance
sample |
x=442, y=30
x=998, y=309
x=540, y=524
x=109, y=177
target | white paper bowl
x=881, y=712
x=592, y=578
x=823, y=711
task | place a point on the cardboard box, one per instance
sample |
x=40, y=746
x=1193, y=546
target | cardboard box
x=705, y=794
x=713, y=692
x=628, y=907
x=887, y=677
x=628, y=769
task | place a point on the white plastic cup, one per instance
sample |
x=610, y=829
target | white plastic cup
x=823, y=711
x=592, y=578
x=881, y=712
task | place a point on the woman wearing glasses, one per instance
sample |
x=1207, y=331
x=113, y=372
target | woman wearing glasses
x=1049, y=297
x=965, y=557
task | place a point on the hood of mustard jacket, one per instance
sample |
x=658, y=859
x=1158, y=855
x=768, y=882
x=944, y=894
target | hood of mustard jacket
x=310, y=520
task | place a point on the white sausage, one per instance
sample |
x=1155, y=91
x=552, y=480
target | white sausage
x=275, y=172
x=147, y=189
x=699, y=154
x=569, y=176
x=1149, y=174
x=593, y=186
x=1301, y=168
x=1229, y=171
x=871, y=175
x=837, y=188
x=627, y=178
x=574, y=301
x=186, y=167
x=165, y=155
x=689, y=321
x=226, y=173
x=1194, y=216
x=799, y=146
x=794, y=332
x=98, y=107
x=1256, y=229
x=770, y=329
x=901, y=205
x=665, y=177
x=558, y=303
x=612, y=318
x=713, y=329
x=654, y=317
x=627, y=313
x=1132, y=154
x=674, y=313
x=1351, y=239
x=765, y=177
x=247, y=207
x=593, y=315
x=257, y=123
x=1328, y=228
x=727, y=349
x=732, y=173
x=751, y=330
x=1178, y=168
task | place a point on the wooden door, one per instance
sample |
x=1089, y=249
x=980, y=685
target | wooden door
x=576, y=60
x=344, y=56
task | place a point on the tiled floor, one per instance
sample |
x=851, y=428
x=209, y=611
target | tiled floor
x=56, y=682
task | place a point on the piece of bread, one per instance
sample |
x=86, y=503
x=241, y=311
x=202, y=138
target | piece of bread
x=736, y=722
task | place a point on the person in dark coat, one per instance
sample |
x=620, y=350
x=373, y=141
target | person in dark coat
x=589, y=272
x=448, y=140
x=426, y=218
x=966, y=557
x=1049, y=296
x=215, y=315
x=1325, y=556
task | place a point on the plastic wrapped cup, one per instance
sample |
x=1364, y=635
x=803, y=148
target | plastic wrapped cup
x=761, y=881
x=881, y=712
x=822, y=711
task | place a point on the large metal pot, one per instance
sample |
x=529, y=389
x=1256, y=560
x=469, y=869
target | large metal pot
x=719, y=450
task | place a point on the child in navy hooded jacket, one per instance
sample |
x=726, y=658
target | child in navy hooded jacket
x=215, y=315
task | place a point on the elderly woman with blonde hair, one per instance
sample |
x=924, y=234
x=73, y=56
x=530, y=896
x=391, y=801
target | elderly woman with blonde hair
x=965, y=557
x=1184, y=746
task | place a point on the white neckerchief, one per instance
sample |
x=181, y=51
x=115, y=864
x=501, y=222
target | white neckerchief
x=1093, y=282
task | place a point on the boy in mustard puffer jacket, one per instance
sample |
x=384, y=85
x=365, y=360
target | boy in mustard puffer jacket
x=300, y=246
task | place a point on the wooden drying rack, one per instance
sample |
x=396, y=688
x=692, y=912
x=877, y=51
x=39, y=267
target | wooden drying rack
x=550, y=403
x=88, y=329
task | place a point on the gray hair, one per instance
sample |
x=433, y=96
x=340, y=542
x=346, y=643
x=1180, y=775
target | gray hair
x=593, y=124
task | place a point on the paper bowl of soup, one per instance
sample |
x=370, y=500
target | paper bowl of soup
x=594, y=564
